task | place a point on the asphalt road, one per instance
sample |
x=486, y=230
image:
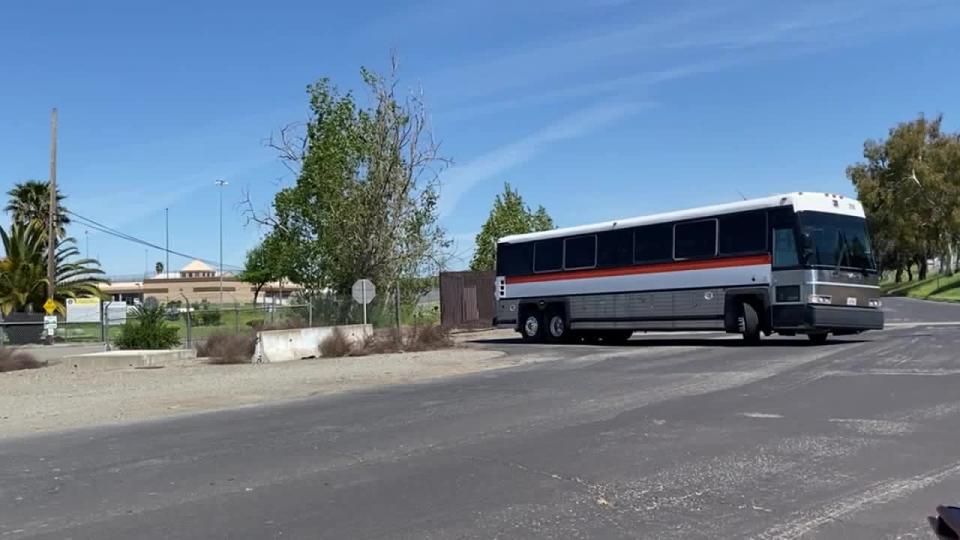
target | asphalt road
x=668, y=437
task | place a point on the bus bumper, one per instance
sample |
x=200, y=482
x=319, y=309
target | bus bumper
x=813, y=317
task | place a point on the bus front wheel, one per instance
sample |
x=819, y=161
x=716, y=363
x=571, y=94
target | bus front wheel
x=749, y=323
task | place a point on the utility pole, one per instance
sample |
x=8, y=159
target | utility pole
x=86, y=236
x=52, y=218
x=221, y=183
x=166, y=216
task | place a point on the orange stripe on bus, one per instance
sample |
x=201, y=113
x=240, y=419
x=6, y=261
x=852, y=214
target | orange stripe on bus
x=645, y=269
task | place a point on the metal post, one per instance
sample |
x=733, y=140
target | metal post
x=310, y=311
x=166, y=216
x=363, y=295
x=236, y=317
x=52, y=215
x=221, y=183
x=189, y=318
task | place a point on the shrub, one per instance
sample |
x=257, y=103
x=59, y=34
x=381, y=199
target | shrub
x=336, y=344
x=416, y=338
x=256, y=324
x=380, y=342
x=209, y=317
x=13, y=360
x=148, y=330
x=428, y=338
x=223, y=348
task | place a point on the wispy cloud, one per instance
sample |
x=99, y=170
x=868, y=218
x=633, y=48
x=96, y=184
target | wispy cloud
x=642, y=49
x=458, y=180
x=564, y=55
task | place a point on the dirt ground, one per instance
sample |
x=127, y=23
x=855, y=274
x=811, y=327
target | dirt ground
x=62, y=396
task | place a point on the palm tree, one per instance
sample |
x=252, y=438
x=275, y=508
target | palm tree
x=30, y=204
x=23, y=271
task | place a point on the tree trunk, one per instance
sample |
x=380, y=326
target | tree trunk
x=898, y=276
x=946, y=261
x=922, y=264
x=910, y=272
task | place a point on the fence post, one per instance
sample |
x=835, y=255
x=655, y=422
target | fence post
x=236, y=317
x=396, y=305
x=310, y=311
x=104, y=313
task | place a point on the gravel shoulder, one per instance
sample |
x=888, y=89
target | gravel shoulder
x=64, y=397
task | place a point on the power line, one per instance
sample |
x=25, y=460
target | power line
x=96, y=225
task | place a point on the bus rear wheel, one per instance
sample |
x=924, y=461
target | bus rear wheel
x=557, y=326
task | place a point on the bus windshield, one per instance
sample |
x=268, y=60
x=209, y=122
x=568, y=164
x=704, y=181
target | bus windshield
x=837, y=241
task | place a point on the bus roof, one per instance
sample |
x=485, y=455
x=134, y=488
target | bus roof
x=801, y=201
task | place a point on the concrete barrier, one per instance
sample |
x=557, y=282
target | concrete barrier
x=130, y=358
x=298, y=343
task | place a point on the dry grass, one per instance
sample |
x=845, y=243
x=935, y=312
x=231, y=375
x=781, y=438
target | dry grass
x=335, y=345
x=223, y=348
x=414, y=339
x=14, y=360
x=428, y=338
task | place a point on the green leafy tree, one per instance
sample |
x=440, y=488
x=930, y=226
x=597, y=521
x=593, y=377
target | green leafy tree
x=29, y=204
x=23, y=271
x=365, y=200
x=909, y=185
x=158, y=267
x=148, y=329
x=510, y=215
x=263, y=264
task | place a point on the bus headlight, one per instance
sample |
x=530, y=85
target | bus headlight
x=819, y=299
x=875, y=303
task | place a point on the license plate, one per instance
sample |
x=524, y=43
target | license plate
x=851, y=301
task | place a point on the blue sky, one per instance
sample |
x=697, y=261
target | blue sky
x=596, y=110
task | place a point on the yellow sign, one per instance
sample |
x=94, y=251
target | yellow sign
x=49, y=306
x=85, y=301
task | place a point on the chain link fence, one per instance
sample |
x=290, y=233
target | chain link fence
x=195, y=324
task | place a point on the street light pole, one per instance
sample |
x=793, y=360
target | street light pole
x=221, y=183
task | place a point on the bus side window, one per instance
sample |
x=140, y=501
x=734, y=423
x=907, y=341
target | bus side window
x=784, y=248
x=548, y=255
x=615, y=248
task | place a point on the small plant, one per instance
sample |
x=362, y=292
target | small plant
x=148, y=330
x=256, y=324
x=221, y=348
x=14, y=360
x=336, y=344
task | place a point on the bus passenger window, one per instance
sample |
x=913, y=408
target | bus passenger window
x=695, y=240
x=548, y=255
x=580, y=252
x=653, y=243
x=742, y=233
x=615, y=248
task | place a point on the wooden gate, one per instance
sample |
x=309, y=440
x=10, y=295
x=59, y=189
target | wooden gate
x=466, y=299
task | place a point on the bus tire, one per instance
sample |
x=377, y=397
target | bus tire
x=818, y=339
x=531, y=326
x=556, y=328
x=750, y=323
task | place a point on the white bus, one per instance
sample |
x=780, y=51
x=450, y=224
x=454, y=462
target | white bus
x=798, y=263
